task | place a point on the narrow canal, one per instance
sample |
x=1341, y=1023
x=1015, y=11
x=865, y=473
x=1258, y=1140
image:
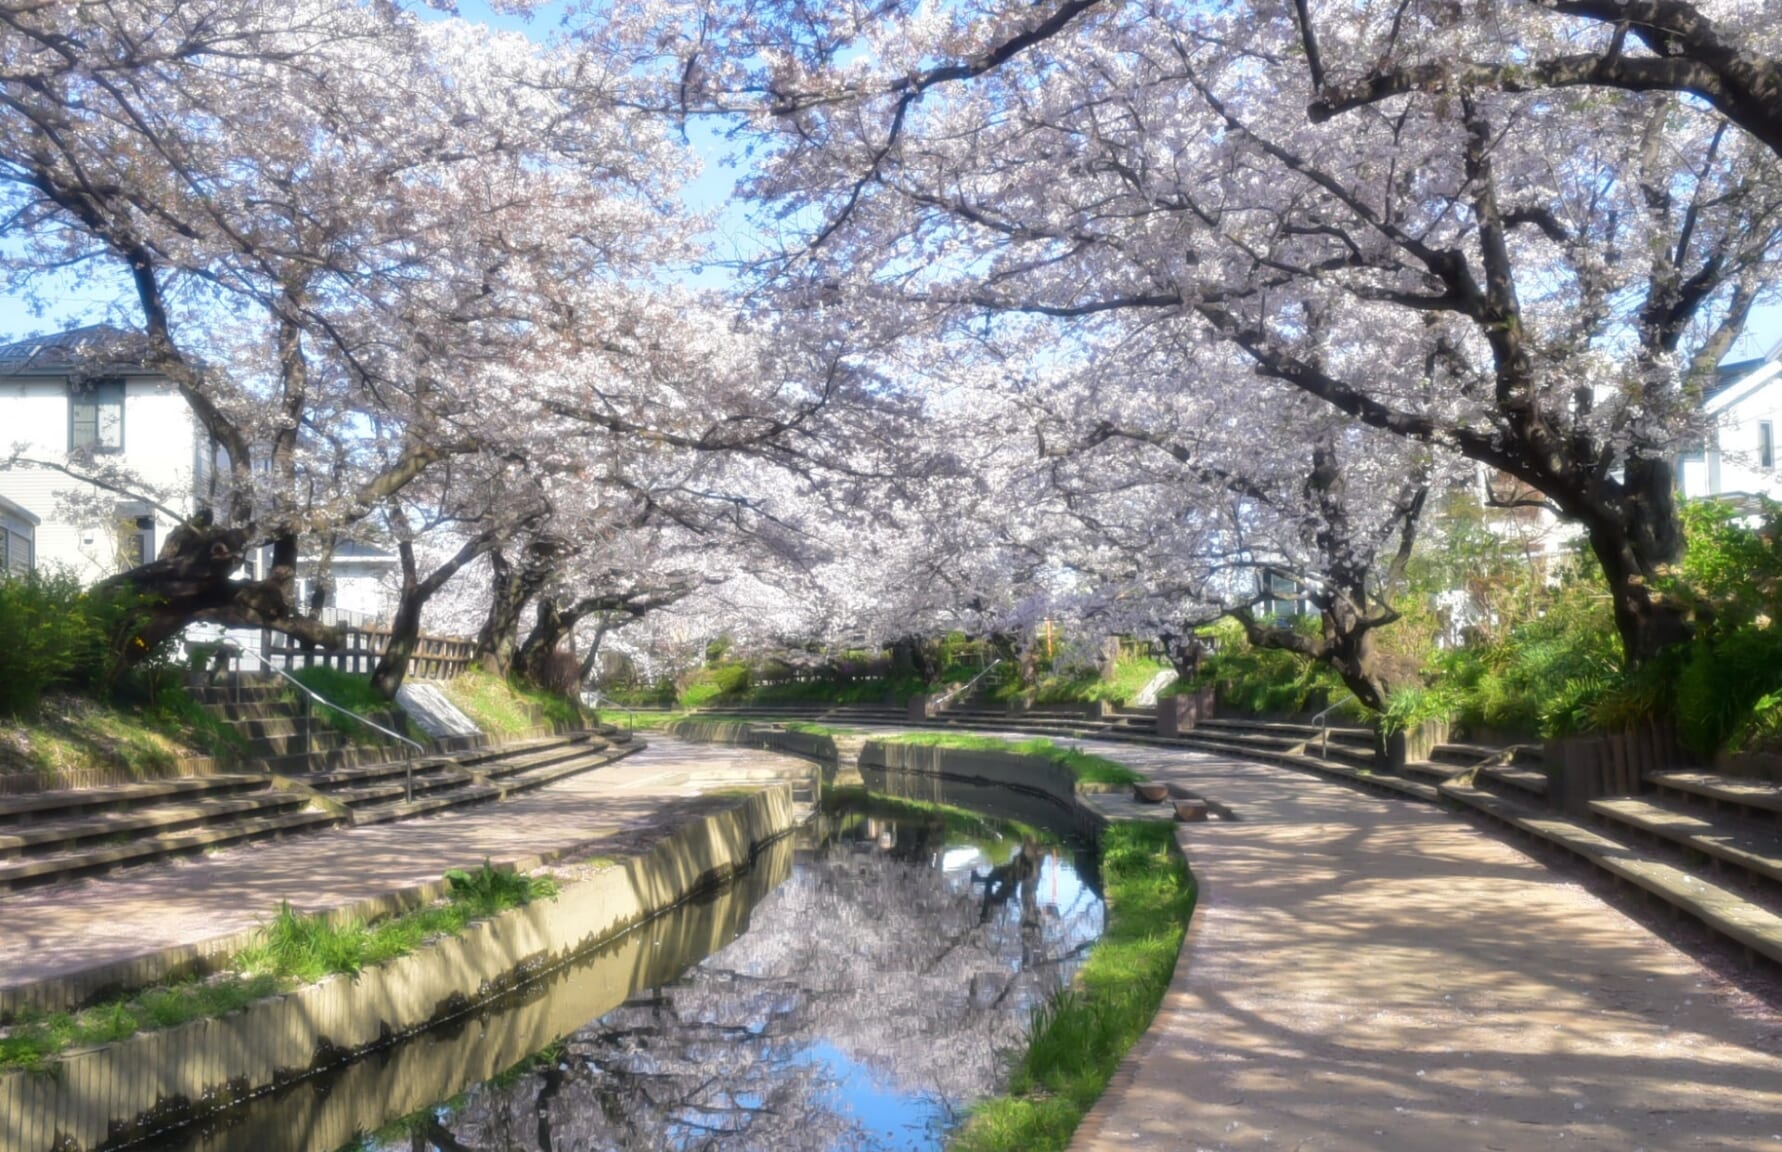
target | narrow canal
x=858, y=988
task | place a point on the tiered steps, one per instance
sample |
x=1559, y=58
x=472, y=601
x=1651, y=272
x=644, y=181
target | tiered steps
x=1514, y=770
x=377, y=793
x=55, y=836
x=1733, y=909
x=281, y=734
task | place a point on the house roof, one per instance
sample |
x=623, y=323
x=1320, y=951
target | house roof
x=22, y=512
x=94, y=350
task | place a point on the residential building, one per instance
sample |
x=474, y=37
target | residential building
x=82, y=399
x=1737, y=455
x=18, y=539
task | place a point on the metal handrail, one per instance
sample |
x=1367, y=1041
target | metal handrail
x=1322, y=721
x=947, y=698
x=408, y=772
x=630, y=716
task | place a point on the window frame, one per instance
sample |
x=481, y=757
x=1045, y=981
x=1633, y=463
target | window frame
x=92, y=392
x=1766, y=446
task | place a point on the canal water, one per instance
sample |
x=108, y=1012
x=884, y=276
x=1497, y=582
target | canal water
x=857, y=989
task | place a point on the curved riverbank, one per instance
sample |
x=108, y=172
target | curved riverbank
x=136, y=1084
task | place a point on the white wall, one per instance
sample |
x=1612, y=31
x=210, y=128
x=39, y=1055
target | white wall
x=160, y=442
x=1731, y=461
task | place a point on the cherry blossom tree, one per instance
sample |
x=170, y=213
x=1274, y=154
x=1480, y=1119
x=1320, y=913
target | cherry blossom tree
x=1540, y=285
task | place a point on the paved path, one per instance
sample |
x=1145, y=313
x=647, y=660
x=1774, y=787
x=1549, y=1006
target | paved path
x=1368, y=974
x=67, y=928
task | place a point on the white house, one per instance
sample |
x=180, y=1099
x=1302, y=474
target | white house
x=18, y=539
x=1738, y=455
x=84, y=397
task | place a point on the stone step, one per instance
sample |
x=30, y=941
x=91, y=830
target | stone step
x=1473, y=755
x=246, y=694
x=1344, y=733
x=515, y=757
x=51, y=836
x=1755, y=928
x=472, y=792
x=1340, y=770
x=1430, y=771
x=1759, y=797
x=1528, y=781
x=62, y=804
x=318, y=739
x=1756, y=848
x=68, y=865
x=396, y=787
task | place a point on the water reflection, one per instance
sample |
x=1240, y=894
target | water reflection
x=871, y=995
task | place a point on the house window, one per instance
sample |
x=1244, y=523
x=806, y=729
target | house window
x=15, y=553
x=136, y=540
x=1766, y=446
x=96, y=416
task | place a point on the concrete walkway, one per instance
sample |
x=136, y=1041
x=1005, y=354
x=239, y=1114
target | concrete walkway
x=70, y=927
x=1367, y=974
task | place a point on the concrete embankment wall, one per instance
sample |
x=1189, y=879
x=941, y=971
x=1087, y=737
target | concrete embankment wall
x=271, y=1041
x=908, y=769
x=914, y=771
x=749, y=735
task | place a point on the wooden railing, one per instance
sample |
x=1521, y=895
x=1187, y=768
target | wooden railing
x=435, y=657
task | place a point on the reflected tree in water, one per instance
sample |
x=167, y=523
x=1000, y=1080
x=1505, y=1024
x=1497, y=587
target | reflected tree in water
x=874, y=966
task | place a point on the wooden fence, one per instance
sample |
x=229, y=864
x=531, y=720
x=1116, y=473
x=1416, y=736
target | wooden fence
x=1585, y=768
x=435, y=657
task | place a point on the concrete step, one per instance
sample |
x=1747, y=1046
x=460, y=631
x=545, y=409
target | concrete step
x=246, y=694
x=63, y=804
x=482, y=792
x=318, y=739
x=1430, y=772
x=1760, y=798
x=1529, y=782
x=1336, y=769
x=1337, y=734
x=46, y=837
x=392, y=788
x=1473, y=755
x=1757, y=848
x=1756, y=929
x=69, y=865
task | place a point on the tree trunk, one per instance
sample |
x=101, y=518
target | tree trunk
x=496, y=642
x=405, y=629
x=511, y=589
x=1635, y=536
x=191, y=580
x=533, y=664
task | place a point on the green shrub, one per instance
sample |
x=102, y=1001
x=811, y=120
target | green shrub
x=55, y=636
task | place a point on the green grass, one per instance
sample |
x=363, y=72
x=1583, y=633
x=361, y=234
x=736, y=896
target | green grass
x=348, y=690
x=142, y=740
x=292, y=949
x=504, y=708
x=34, y=1040
x=307, y=948
x=1079, y=1038
x=1086, y=768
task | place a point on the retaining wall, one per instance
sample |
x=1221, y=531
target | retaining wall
x=215, y=1061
